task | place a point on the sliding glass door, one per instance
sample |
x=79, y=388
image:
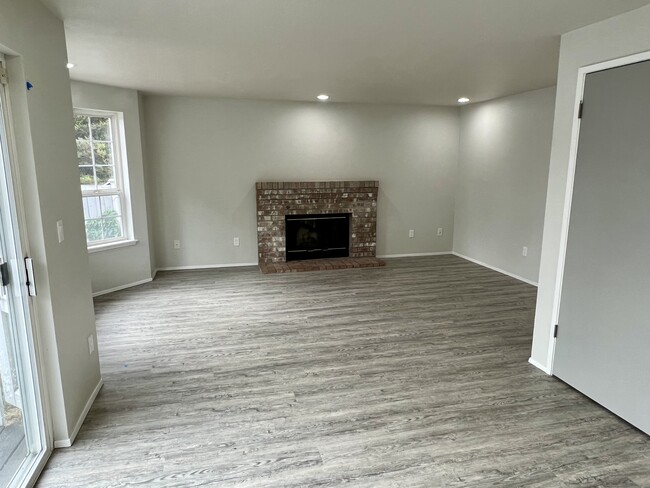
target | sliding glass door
x=22, y=426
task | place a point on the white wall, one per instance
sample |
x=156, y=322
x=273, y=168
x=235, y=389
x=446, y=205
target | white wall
x=502, y=177
x=122, y=266
x=613, y=38
x=49, y=182
x=205, y=155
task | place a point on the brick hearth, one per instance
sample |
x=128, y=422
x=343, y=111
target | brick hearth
x=321, y=265
x=277, y=199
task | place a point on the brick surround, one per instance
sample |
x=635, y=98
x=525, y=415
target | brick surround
x=277, y=199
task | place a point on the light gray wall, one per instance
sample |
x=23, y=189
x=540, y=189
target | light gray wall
x=502, y=175
x=50, y=186
x=122, y=266
x=613, y=38
x=205, y=155
x=147, y=177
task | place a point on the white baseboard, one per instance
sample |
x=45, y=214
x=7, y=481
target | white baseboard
x=540, y=366
x=122, y=287
x=204, y=266
x=413, y=255
x=68, y=442
x=494, y=268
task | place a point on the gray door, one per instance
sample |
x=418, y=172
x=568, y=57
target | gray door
x=603, y=344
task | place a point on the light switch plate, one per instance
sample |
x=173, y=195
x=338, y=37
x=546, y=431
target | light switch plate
x=59, y=230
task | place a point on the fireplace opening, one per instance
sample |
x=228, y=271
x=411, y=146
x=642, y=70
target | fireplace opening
x=317, y=236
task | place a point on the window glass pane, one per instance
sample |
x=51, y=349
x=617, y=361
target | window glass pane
x=92, y=209
x=103, y=152
x=105, y=176
x=97, y=172
x=111, y=206
x=101, y=127
x=83, y=152
x=81, y=127
x=86, y=177
x=94, y=230
x=112, y=227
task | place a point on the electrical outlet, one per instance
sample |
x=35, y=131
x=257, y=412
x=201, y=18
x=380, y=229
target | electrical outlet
x=524, y=251
x=59, y=230
x=91, y=344
x=439, y=232
x=411, y=233
x=235, y=241
x=177, y=244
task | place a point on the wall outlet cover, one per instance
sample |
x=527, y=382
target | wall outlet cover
x=439, y=231
x=177, y=244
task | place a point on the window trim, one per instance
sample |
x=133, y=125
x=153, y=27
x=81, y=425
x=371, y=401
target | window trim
x=121, y=178
x=112, y=245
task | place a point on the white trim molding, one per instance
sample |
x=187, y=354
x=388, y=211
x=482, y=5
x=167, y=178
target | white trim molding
x=568, y=197
x=112, y=245
x=413, y=255
x=122, y=287
x=494, y=268
x=70, y=440
x=204, y=266
x=540, y=366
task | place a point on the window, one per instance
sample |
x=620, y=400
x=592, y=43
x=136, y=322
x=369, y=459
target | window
x=102, y=175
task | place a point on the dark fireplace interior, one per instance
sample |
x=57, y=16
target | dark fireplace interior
x=317, y=236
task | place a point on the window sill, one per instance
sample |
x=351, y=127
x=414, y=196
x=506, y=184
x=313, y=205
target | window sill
x=112, y=245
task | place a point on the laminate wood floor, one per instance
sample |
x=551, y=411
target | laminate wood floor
x=412, y=375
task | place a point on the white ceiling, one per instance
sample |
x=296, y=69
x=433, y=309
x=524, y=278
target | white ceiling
x=389, y=51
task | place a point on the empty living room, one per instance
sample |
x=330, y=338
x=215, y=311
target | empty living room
x=323, y=243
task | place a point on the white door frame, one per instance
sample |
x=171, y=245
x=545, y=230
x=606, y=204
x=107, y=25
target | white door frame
x=40, y=386
x=571, y=172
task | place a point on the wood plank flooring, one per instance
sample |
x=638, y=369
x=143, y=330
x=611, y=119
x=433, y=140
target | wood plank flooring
x=410, y=375
x=13, y=450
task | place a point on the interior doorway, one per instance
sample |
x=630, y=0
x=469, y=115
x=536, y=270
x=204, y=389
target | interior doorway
x=604, y=319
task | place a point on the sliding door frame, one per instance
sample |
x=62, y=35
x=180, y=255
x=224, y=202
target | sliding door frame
x=571, y=172
x=42, y=414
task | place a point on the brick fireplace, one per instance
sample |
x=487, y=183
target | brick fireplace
x=276, y=200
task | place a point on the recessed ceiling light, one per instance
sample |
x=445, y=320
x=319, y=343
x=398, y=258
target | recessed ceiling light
x=323, y=97
x=463, y=100
x=69, y=65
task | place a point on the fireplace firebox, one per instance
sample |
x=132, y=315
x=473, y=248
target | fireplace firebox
x=317, y=236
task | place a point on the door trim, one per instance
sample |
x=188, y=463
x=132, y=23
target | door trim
x=43, y=409
x=568, y=198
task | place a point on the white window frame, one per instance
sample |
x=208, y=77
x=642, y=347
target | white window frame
x=121, y=179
